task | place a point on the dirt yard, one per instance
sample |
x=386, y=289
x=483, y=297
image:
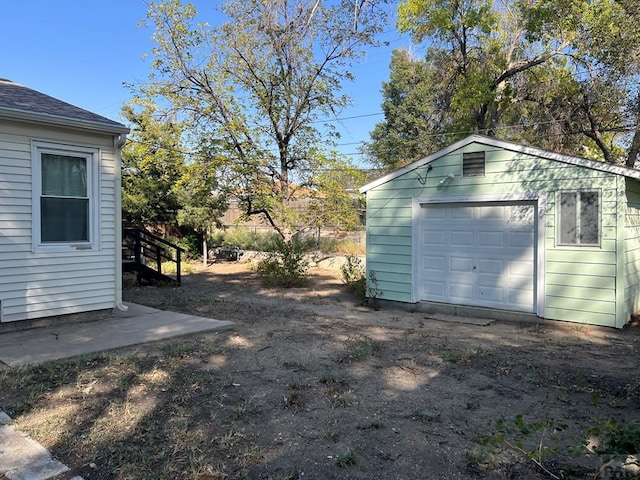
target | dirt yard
x=340, y=391
x=309, y=385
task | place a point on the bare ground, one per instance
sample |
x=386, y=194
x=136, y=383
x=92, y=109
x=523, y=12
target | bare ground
x=310, y=385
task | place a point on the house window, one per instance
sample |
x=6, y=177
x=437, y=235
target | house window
x=473, y=164
x=579, y=214
x=64, y=196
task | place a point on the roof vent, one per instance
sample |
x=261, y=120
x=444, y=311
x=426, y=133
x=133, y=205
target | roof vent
x=473, y=164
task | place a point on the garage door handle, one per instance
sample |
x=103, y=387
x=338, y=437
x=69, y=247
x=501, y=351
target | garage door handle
x=474, y=267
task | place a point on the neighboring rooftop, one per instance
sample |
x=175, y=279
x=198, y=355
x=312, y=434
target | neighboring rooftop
x=18, y=100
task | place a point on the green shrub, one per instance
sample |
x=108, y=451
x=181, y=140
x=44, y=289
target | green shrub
x=286, y=266
x=328, y=245
x=354, y=277
x=352, y=270
x=170, y=268
x=191, y=243
x=245, y=238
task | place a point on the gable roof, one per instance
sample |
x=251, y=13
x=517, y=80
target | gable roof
x=18, y=102
x=515, y=147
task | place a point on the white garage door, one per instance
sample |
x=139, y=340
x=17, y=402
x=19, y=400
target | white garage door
x=479, y=255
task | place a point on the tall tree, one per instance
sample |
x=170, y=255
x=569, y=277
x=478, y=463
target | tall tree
x=258, y=84
x=152, y=164
x=412, y=123
x=198, y=191
x=560, y=74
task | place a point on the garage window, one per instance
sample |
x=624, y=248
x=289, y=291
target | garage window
x=579, y=214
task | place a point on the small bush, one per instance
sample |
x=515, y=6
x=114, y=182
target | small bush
x=286, y=266
x=352, y=270
x=191, y=243
x=246, y=239
x=328, y=245
x=354, y=277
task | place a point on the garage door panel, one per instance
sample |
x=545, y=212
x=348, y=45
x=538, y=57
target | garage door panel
x=434, y=238
x=491, y=239
x=461, y=239
x=460, y=290
x=436, y=289
x=519, y=296
x=490, y=294
x=494, y=267
x=460, y=264
x=481, y=254
x=520, y=239
x=521, y=269
x=432, y=263
x=460, y=213
x=494, y=212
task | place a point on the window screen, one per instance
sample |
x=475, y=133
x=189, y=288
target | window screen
x=579, y=218
x=64, y=200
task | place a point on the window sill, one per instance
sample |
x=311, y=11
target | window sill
x=64, y=248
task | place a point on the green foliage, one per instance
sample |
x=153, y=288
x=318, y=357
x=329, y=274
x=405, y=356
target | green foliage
x=197, y=190
x=558, y=74
x=540, y=441
x=352, y=270
x=247, y=239
x=354, y=276
x=250, y=92
x=152, y=163
x=361, y=347
x=617, y=440
x=286, y=266
x=537, y=441
x=347, y=459
x=191, y=242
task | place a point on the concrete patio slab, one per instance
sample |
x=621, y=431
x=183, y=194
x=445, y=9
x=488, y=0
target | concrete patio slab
x=138, y=325
x=22, y=458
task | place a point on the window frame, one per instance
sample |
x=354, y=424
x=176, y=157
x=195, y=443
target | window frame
x=92, y=156
x=578, y=203
x=473, y=159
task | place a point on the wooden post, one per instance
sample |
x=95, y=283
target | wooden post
x=137, y=246
x=178, y=267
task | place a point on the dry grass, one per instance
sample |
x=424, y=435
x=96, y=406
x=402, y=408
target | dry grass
x=311, y=386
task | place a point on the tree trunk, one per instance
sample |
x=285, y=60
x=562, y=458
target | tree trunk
x=205, y=249
x=632, y=156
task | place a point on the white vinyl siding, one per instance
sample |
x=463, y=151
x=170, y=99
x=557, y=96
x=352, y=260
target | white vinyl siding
x=43, y=284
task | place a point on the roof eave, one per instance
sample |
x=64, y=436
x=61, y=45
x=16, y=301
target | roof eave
x=579, y=161
x=59, y=121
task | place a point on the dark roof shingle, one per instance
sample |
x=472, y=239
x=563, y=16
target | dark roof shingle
x=14, y=96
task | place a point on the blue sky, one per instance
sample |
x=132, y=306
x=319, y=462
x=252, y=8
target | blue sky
x=82, y=51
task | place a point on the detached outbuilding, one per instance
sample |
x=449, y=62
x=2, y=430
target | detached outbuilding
x=488, y=227
x=60, y=220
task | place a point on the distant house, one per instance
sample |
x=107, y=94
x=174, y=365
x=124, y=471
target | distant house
x=487, y=227
x=60, y=213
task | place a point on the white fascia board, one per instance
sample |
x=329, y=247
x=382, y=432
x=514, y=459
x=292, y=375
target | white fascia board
x=58, y=121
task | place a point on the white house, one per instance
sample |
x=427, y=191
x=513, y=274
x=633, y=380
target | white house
x=60, y=225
